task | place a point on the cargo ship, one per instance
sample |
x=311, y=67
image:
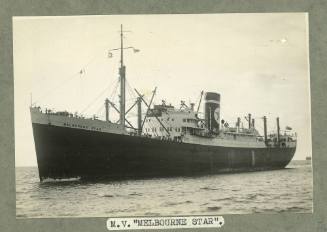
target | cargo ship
x=167, y=141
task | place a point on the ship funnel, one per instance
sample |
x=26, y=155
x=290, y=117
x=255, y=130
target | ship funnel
x=212, y=111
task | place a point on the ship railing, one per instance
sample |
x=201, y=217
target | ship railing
x=200, y=133
x=65, y=113
x=260, y=138
x=178, y=139
x=287, y=136
x=239, y=133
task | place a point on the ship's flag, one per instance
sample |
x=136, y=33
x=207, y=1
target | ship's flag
x=82, y=71
x=288, y=128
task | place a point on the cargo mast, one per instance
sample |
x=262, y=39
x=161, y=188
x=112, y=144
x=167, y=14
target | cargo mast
x=122, y=72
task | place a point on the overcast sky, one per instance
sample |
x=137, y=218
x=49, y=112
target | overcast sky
x=257, y=62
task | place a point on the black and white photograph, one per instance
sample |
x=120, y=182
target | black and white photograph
x=162, y=115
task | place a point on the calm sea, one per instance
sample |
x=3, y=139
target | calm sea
x=287, y=190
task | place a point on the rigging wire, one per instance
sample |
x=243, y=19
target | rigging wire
x=101, y=94
x=52, y=90
x=130, y=89
x=99, y=110
x=113, y=95
x=66, y=80
x=94, y=100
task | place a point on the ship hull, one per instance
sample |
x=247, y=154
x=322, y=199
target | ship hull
x=70, y=152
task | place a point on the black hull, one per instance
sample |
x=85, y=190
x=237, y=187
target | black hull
x=67, y=152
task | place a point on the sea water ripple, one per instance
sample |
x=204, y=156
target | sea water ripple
x=287, y=190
